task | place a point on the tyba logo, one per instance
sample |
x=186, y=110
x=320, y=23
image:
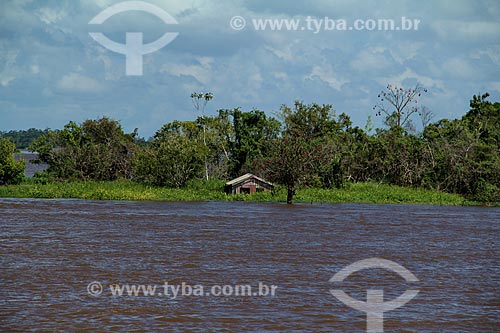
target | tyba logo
x=134, y=48
x=374, y=305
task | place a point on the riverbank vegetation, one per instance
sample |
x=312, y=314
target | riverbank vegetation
x=314, y=155
x=11, y=171
x=23, y=138
x=213, y=190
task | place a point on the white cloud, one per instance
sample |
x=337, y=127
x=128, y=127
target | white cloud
x=9, y=59
x=494, y=85
x=35, y=69
x=406, y=50
x=460, y=68
x=471, y=31
x=372, y=59
x=74, y=82
x=409, y=74
x=256, y=80
x=285, y=52
x=5, y=80
x=13, y=15
x=327, y=75
x=173, y=7
x=50, y=15
x=46, y=51
x=280, y=75
x=491, y=52
x=202, y=71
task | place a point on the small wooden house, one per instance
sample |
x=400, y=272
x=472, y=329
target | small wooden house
x=247, y=183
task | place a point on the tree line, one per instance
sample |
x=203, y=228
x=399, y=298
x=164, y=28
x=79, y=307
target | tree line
x=23, y=138
x=303, y=145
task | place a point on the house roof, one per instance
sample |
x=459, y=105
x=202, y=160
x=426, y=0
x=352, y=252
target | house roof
x=245, y=177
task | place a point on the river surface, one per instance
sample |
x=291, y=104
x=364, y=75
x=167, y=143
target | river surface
x=55, y=255
x=29, y=158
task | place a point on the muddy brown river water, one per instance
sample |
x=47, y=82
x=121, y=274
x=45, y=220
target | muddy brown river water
x=64, y=262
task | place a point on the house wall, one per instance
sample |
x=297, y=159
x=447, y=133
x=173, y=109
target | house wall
x=249, y=186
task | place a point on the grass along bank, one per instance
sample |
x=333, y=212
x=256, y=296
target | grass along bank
x=213, y=190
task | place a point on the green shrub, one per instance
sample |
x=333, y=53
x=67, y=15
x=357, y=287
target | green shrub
x=11, y=171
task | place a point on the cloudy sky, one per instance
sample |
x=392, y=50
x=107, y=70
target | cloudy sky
x=52, y=71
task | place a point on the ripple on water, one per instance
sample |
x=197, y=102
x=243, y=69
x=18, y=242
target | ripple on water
x=51, y=249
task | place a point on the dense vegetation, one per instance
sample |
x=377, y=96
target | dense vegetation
x=11, y=171
x=94, y=150
x=23, y=138
x=201, y=190
x=306, y=146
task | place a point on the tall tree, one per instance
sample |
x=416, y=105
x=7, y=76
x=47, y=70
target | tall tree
x=219, y=135
x=253, y=131
x=200, y=101
x=398, y=104
x=291, y=161
x=295, y=155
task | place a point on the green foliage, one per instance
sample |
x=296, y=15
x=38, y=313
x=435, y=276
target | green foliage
x=459, y=156
x=309, y=120
x=175, y=156
x=212, y=190
x=309, y=148
x=291, y=162
x=375, y=193
x=298, y=156
x=253, y=131
x=96, y=149
x=218, y=135
x=11, y=171
x=331, y=174
x=393, y=156
x=463, y=156
x=211, y=184
x=23, y=138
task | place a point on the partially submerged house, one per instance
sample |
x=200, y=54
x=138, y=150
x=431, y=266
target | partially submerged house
x=247, y=183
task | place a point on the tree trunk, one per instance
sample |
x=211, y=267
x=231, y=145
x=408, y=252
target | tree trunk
x=289, y=196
